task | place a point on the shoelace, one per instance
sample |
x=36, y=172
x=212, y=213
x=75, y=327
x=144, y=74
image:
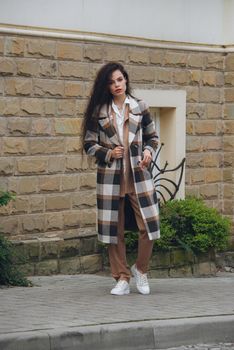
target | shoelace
x=120, y=283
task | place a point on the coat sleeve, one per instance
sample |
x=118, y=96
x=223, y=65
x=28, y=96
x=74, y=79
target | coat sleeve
x=93, y=148
x=150, y=137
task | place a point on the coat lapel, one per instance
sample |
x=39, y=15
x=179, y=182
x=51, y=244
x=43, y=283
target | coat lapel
x=135, y=118
x=107, y=125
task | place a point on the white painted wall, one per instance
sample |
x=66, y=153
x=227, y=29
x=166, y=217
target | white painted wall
x=197, y=21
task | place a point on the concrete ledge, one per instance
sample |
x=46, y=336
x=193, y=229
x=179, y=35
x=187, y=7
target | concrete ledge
x=157, y=334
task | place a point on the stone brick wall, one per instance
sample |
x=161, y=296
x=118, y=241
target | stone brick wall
x=44, y=86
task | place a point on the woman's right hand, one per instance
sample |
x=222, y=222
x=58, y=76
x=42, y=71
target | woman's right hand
x=117, y=152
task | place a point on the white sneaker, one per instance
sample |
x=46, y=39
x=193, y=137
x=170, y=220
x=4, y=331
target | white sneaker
x=141, y=280
x=121, y=288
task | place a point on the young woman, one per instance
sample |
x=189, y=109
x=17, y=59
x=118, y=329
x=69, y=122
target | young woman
x=119, y=132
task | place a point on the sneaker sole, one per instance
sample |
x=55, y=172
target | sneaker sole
x=125, y=293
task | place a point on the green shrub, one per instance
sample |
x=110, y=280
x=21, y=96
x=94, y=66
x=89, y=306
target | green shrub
x=190, y=224
x=9, y=274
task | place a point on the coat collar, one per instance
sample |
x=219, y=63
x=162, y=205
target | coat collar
x=134, y=119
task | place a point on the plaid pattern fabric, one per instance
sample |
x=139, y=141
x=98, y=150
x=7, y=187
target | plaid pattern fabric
x=99, y=143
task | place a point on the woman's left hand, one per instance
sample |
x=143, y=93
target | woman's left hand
x=146, y=159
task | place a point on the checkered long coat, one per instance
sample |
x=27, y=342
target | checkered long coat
x=99, y=142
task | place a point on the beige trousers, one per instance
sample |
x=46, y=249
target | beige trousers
x=117, y=252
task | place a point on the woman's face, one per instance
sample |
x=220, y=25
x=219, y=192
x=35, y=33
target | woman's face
x=117, y=84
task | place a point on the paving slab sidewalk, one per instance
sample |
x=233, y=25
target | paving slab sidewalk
x=77, y=312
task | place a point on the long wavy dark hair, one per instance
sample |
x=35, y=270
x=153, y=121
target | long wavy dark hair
x=100, y=95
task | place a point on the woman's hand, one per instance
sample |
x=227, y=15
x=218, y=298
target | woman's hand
x=146, y=159
x=117, y=152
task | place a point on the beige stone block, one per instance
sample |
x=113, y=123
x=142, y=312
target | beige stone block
x=69, y=51
x=229, y=127
x=175, y=59
x=19, y=126
x=50, y=106
x=115, y=53
x=74, y=70
x=46, y=267
x=6, y=166
x=32, y=223
x=74, y=89
x=196, y=60
x=138, y=55
x=195, y=77
x=32, y=106
x=18, y=86
x=209, y=191
x=229, y=78
x=47, y=87
x=68, y=126
x=21, y=205
x=88, y=180
x=215, y=61
x=228, y=175
x=73, y=144
x=228, y=191
x=194, y=160
x=163, y=75
x=212, y=78
x=1, y=85
x=15, y=46
x=46, y=145
x=209, y=94
x=214, y=111
x=88, y=217
x=70, y=266
x=41, y=48
x=195, y=111
x=28, y=185
x=197, y=176
x=56, y=164
x=193, y=144
x=229, y=111
x=74, y=163
x=37, y=204
x=48, y=68
x=41, y=126
x=70, y=182
x=229, y=62
x=205, y=127
x=93, y=52
x=213, y=175
x=212, y=159
x=7, y=66
x=32, y=165
x=72, y=218
x=183, y=271
x=27, y=67
x=156, y=56
x=11, y=106
x=212, y=143
x=49, y=183
x=228, y=207
x=228, y=143
x=228, y=159
x=66, y=107
x=142, y=74
x=3, y=124
x=91, y=263
x=189, y=127
x=81, y=106
x=2, y=40
x=15, y=145
x=192, y=191
x=84, y=199
x=229, y=94
x=54, y=221
x=13, y=184
x=192, y=93
x=181, y=77
x=9, y=225
x=58, y=202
